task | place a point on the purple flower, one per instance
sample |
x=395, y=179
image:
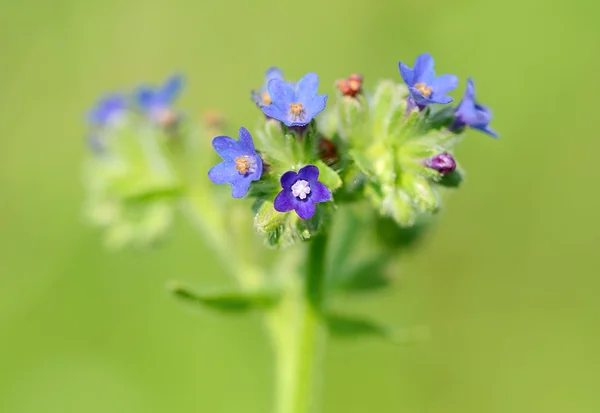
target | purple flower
x=241, y=164
x=262, y=97
x=108, y=110
x=444, y=163
x=295, y=105
x=157, y=102
x=424, y=87
x=301, y=191
x=470, y=113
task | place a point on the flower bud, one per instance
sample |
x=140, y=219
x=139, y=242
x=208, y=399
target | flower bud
x=444, y=163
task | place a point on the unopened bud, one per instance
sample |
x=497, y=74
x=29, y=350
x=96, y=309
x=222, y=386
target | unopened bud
x=444, y=163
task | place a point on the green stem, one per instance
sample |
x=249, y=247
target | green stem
x=298, y=334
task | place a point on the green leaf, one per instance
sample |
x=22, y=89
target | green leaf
x=227, y=301
x=328, y=176
x=364, y=277
x=349, y=327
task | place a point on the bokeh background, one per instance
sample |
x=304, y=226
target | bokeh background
x=508, y=280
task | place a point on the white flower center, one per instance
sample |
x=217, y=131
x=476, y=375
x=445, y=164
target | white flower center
x=301, y=189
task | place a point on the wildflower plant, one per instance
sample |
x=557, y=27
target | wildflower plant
x=335, y=188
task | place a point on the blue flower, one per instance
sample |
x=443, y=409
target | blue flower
x=108, y=110
x=241, y=164
x=470, y=113
x=262, y=97
x=301, y=191
x=157, y=102
x=295, y=105
x=424, y=87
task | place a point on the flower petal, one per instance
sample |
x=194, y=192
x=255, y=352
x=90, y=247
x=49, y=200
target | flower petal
x=170, y=90
x=306, y=209
x=423, y=71
x=240, y=188
x=487, y=130
x=306, y=88
x=273, y=111
x=281, y=93
x=145, y=97
x=407, y=74
x=273, y=73
x=440, y=98
x=284, y=201
x=309, y=173
x=288, y=179
x=223, y=173
x=444, y=84
x=245, y=140
x=316, y=106
x=227, y=148
x=319, y=192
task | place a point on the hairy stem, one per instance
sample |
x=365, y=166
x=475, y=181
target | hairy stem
x=298, y=334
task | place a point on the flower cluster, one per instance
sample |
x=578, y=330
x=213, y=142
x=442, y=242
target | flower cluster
x=393, y=146
x=130, y=182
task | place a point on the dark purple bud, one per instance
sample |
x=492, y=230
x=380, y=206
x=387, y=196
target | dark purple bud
x=444, y=163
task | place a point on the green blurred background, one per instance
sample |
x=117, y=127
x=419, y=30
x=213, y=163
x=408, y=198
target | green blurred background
x=508, y=280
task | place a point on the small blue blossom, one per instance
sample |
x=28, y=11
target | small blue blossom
x=425, y=87
x=241, y=164
x=157, y=102
x=301, y=191
x=470, y=113
x=108, y=110
x=295, y=105
x=262, y=97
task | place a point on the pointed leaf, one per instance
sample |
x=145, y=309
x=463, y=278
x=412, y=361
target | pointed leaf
x=226, y=301
x=349, y=326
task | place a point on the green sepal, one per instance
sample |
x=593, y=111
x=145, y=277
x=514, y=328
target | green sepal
x=452, y=180
x=420, y=191
x=226, y=301
x=283, y=229
x=352, y=114
x=399, y=205
x=328, y=176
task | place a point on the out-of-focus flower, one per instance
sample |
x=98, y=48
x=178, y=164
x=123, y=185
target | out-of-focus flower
x=108, y=110
x=301, y=191
x=470, y=113
x=295, y=105
x=350, y=86
x=425, y=87
x=241, y=164
x=444, y=163
x=157, y=102
x=262, y=97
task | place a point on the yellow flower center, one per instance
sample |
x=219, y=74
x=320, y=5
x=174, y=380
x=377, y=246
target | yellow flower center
x=424, y=89
x=266, y=99
x=243, y=165
x=297, y=110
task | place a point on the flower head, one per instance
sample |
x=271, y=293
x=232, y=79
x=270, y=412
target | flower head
x=301, y=191
x=444, y=163
x=295, y=105
x=425, y=87
x=262, y=97
x=350, y=86
x=241, y=164
x=470, y=113
x=108, y=110
x=157, y=102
